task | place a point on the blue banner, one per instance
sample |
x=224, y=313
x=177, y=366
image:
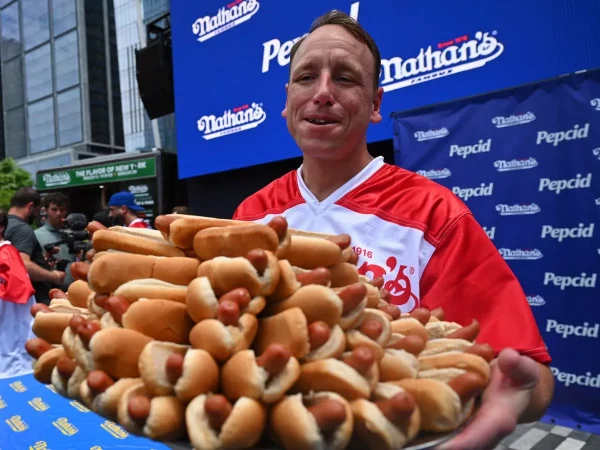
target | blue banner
x=527, y=163
x=231, y=63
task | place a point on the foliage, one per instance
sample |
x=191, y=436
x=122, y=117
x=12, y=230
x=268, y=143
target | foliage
x=12, y=177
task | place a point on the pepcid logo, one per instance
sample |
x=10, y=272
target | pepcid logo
x=518, y=209
x=563, y=281
x=491, y=232
x=448, y=58
x=229, y=16
x=467, y=193
x=431, y=134
x=520, y=254
x=466, y=150
x=239, y=119
x=56, y=179
x=560, y=136
x=513, y=119
x=578, y=232
x=536, y=300
x=435, y=174
x=568, y=379
x=585, y=330
x=557, y=186
x=595, y=102
x=515, y=164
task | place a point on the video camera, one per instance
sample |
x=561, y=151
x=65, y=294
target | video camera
x=75, y=235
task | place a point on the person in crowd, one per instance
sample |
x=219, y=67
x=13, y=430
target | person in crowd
x=104, y=218
x=24, y=208
x=410, y=230
x=124, y=211
x=57, y=206
x=180, y=210
x=16, y=299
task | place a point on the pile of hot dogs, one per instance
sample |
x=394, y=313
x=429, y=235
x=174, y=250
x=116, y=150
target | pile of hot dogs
x=225, y=333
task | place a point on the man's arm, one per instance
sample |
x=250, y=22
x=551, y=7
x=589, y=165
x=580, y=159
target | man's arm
x=37, y=273
x=541, y=396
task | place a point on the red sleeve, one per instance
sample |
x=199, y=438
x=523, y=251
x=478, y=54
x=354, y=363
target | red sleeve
x=468, y=278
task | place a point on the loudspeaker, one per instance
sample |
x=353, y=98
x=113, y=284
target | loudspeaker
x=154, y=73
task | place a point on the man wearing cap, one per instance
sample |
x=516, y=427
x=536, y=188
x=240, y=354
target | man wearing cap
x=124, y=211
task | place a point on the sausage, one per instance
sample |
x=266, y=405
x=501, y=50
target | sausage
x=467, y=386
x=163, y=223
x=117, y=306
x=398, y=408
x=318, y=334
x=174, y=367
x=217, y=409
x=274, y=359
x=241, y=296
x=468, y=333
x=421, y=314
x=412, y=344
x=138, y=409
x=320, y=276
x=280, y=226
x=100, y=300
x=99, y=381
x=36, y=347
x=65, y=366
x=341, y=240
x=259, y=259
x=329, y=415
x=352, y=296
x=353, y=259
x=80, y=270
x=371, y=328
x=56, y=293
x=86, y=332
x=76, y=322
x=361, y=359
x=228, y=313
x=377, y=282
x=39, y=307
x=485, y=351
x=391, y=310
x=89, y=256
x=384, y=294
x=94, y=226
x=438, y=313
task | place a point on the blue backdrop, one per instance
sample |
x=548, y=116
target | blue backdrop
x=231, y=62
x=527, y=163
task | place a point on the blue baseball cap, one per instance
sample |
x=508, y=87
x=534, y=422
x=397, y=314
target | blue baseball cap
x=124, y=199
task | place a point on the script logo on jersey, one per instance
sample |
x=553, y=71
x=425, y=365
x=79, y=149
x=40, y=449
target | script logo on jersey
x=560, y=136
x=431, y=134
x=520, y=254
x=512, y=120
x=518, y=209
x=449, y=58
x=466, y=150
x=557, y=186
x=229, y=16
x=515, y=164
x=578, y=232
x=435, y=174
x=232, y=121
x=566, y=378
x=467, y=193
x=536, y=300
x=585, y=330
x=564, y=281
x=595, y=103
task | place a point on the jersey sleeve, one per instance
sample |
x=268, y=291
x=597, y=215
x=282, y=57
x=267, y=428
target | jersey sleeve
x=469, y=279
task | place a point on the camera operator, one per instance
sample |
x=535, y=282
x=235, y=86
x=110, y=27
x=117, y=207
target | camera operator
x=57, y=207
x=24, y=207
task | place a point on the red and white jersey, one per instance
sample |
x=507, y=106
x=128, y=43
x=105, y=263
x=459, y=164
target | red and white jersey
x=422, y=239
x=138, y=223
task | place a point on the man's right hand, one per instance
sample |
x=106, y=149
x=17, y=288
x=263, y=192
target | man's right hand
x=60, y=277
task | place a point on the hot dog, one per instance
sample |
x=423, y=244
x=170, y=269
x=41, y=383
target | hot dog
x=172, y=369
x=45, y=358
x=214, y=423
x=78, y=293
x=443, y=345
x=311, y=253
x=56, y=293
x=452, y=330
x=320, y=420
x=354, y=299
x=288, y=328
x=373, y=330
x=266, y=377
x=79, y=270
x=293, y=278
x=60, y=305
x=343, y=274
x=151, y=288
x=101, y=393
x=123, y=240
x=97, y=303
x=325, y=342
x=390, y=310
x=409, y=326
x=67, y=376
x=50, y=325
x=94, y=226
x=160, y=418
x=413, y=344
x=398, y=364
x=435, y=366
x=181, y=229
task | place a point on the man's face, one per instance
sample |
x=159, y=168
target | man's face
x=56, y=215
x=331, y=99
x=118, y=214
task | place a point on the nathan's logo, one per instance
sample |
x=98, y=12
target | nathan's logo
x=467, y=193
x=561, y=234
x=536, y=300
x=139, y=189
x=431, y=134
x=491, y=232
x=512, y=120
x=565, y=331
x=17, y=424
x=79, y=407
x=557, y=186
x=596, y=104
x=52, y=388
x=556, y=138
x=518, y=209
x=114, y=429
x=435, y=174
x=2, y=403
x=520, y=254
x=234, y=14
x=515, y=164
x=466, y=150
x=38, y=404
x=56, y=179
x=568, y=379
x=18, y=386
x=596, y=153
x=39, y=445
x=232, y=121
x=65, y=427
x=563, y=281
x=448, y=58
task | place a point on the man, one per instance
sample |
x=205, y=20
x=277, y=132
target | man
x=415, y=233
x=24, y=208
x=57, y=208
x=124, y=211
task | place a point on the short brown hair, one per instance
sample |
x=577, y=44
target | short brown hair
x=351, y=26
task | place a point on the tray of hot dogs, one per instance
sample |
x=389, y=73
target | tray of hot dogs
x=211, y=334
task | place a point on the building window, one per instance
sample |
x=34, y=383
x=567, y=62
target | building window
x=36, y=28
x=29, y=167
x=14, y=133
x=54, y=163
x=69, y=117
x=12, y=82
x=40, y=126
x=11, y=36
x=66, y=61
x=64, y=15
x=38, y=73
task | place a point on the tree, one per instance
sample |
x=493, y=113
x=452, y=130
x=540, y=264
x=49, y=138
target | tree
x=12, y=177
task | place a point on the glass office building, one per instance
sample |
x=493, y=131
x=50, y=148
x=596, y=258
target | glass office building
x=60, y=84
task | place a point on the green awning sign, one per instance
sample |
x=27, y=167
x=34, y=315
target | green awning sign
x=104, y=173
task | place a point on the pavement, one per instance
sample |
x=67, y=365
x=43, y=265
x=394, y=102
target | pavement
x=543, y=436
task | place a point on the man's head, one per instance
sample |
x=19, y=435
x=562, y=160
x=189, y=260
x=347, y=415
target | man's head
x=57, y=207
x=26, y=203
x=122, y=208
x=333, y=93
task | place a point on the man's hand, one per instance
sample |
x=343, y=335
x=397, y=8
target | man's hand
x=60, y=277
x=504, y=402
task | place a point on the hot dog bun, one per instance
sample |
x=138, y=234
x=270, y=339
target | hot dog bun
x=410, y=326
x=45, y=364
x=356, y=337
x=78, y=293
x=397, y=365
x=151, y=288
x=343, y=274
x=333, y=348
x=182, y=229
x=106, y=403
x=288, y=328
x=310, y=252
x=128, y=242
x=51, y=325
